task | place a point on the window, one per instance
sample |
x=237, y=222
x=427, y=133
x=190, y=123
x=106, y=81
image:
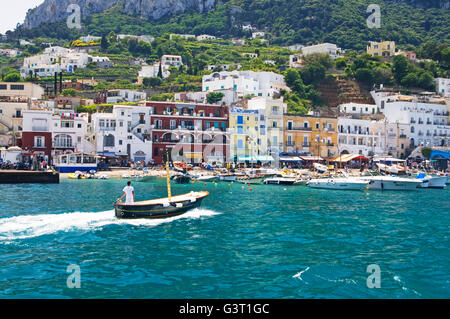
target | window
x=108, y=140
x=101, y=123
x=63, y=140
x=3, y=87
x=17, y=87
x=240, y=143
x=79, y=125
x=39, y=142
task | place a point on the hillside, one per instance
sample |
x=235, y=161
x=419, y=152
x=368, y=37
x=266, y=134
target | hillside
x=408, y=22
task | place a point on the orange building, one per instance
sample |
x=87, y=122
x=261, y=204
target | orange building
x=311, y=134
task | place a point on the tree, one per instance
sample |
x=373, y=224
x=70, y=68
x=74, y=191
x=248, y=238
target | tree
x=152, y=82
x=69, y=92
x=400, y=67
x=426, y=152
x=104, y=43
x=160, y=73
x=364, y=75
x=214, y=97
x=12, y=77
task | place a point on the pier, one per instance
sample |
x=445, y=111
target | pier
x=28, y=177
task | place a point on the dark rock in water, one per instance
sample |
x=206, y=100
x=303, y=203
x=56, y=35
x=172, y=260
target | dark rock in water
x=54, y=10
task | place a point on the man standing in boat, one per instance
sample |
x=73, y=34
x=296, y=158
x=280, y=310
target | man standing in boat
x=128, y=191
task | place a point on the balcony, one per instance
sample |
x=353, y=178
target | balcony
x=307, y=129
x=290, y=143
x=330, y=144
x=413, y=121
x=403, y=136
x=39, y=129
x=306, y=144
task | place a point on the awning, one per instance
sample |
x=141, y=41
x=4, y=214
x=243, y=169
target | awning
x=244, y=158
x=193, y=155
x=437, y=154
x=387, y=159
x=107, y=154
x=289, y=159
x=264, y=158
x=311, y=158
x=349, y=157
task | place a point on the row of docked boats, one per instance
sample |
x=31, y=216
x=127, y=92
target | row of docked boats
x=381, y=182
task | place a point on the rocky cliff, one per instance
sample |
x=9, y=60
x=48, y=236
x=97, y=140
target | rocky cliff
x=54, y=10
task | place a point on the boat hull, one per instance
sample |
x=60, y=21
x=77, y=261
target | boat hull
x=279, y=182
x=253, y=181
x=337, y=185
x=437, y=182
x=158, y=210
x=389, y=185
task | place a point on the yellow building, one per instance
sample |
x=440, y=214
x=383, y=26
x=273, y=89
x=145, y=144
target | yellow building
x=305, y=134
x=386, y=48
x=248, y=138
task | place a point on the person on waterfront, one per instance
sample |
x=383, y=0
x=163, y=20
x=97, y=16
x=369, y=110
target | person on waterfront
x=128, y=192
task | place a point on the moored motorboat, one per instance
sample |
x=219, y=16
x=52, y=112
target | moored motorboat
x=207, y=178
x=338, y=183
x=162, y=207
x=280, y=180
x=432, y=181
x=252, y=179
x=391, y=183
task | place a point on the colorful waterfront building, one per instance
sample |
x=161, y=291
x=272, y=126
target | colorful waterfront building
x=248, y=142
x=310, y=135
x=271, y=121
x=48, y=133
x=191, y=133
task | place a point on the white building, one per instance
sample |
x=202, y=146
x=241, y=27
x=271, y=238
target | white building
x=68, y=131
x=171, y=60
x=230, y=97
x=264, y=84
x=258, y=34
x=121, y=95
x=224, y=67
x=184, y=36
x=443, y=86
x=126, y=131
x=203, y=37
x=10, y=53
x=356, y=136
x=151, y=71
x=54, y=60
x=358, y=108
x=327, y=48
x=271, y=121
x=427, y=118
x=89, y=38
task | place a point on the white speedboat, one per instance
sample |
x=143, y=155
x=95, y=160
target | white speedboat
x=320, y=168
x=280, y=180
x=338, y=183
x=207, y=178
x=391, y=183
x=432, y=181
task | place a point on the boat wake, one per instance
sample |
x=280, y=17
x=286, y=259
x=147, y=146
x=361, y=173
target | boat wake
x=23, y=227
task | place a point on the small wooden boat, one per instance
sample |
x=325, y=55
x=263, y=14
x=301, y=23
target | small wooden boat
x=162, y=207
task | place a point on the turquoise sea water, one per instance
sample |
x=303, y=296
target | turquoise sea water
x=271, y=242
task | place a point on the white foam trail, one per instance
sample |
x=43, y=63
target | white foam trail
x=22, y=227
x=299, y=275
